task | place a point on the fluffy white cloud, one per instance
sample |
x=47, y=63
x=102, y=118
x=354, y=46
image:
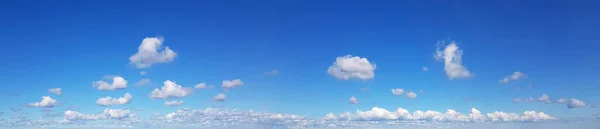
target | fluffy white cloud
x=397, y=91
x=47, y=101
x=117, y=83
x=107, y=101
x=449, y=116
x=173, y=103
x=563, y=101
x=349, y=66
x=143, y=72
x=425, y=69
x=516, y=100
x=170, y=90
x=515, y=76
x=411, y=95
x=57, y=91
x=544, y=99
x=107, y=114
x=227, y=84
x=353, y=100
x=452, y=57
x=575, y=103
x=150, y=52
x=220, y=97
x=142, y=82
x=200, y=86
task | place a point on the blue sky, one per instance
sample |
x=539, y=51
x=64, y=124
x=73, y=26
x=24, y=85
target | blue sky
x=67, y=45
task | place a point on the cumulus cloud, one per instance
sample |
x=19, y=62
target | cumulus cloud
x=411, y=95
x=450, y=115
x=117, y=84
x=173, y=103
x=228, y=84
x=452, y=57
x=353, y=100
x=142, y=82
x=57, y=91
x=272, y=73
x=150, y=52
x=516, y=100
x=143, y=72
x=47, y=101
x=220, y=97
x=544, y=99
x=515, y=76
x=348, y=67
x=107, y=114
x=397, y=91
x=107, y=101
x=170, y=90
x=575, y=103
x=425, y=69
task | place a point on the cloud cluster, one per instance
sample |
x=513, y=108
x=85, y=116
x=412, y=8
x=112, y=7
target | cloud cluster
x=353, y=100
x=515, y=76
x=107, y=114
x=378, y=114
x=452, y=57
x=228, y=84
x=47, y=101
x=170, y=90
x=150, y=52
x=107, y=101
x=117, y=83
x=57, y=91
x=173, y=103
x=571, y=103
x=348, y=67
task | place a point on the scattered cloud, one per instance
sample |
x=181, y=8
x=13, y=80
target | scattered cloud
x=424, y=68
x=353, y=100
x=47, y=101
x=272, y=73
x=117, y=84
x=107, y=114
x=107, y=101
x=228, y=84
x=544, y=99
x=150, y=52
x=411, y=95
x=173, y=103
x=143, y=72
x=142, y=82
x=57, y=91
x=397, y=91
x=220, y=97
x=348, y=67
x=201, y=86
x=575, y=103
x=516, y=100
x=452, y=57
x=515, y=76
x=170, y=90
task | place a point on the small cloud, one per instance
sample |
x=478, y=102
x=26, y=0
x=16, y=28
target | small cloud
x=142, y=82
x=57, y=91
x=170, y=90
x=272, y=73
x=353, y=100
x=220, y=97
x=575, y=103
x=47, y=101
x=544, y=99
x=143, y=72
x=530, y=99
x=364, y=89
x=516, y=100
x=424, y=68
x=201, y=86
x=452, y=57
x=227, y=84
x=151, y=52
x=397, y=91
x=515, y=76
x=107, y=101
x=348, y=67
x=117, y=84
x=411, y=95
x=173, y=103
x=563, y=101
x=15, y=109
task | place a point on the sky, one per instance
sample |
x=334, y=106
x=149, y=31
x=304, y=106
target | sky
x=307, y=58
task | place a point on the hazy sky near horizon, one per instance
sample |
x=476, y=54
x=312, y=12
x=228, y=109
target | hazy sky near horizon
x=308, y=58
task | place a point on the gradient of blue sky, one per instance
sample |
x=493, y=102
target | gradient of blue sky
x=49, y=44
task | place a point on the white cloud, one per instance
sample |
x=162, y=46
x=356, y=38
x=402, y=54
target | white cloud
x=117, y=84
x=530, y=99
x=397, y=91
x=575, y=103
x=515, y=76
x=220, y=97
x=173, y=103
x=227, y=84
x=107, y=101
x=425, y=69
x=170, y=90
x=142, y=82
x=347, y=67
x=200, y=86
x=107, y=114
x=150, y=52
x=517, y=100
x=453, y=66
x=273, y=73
x=57, y=91
x=353, y=100
x=47, y=101
x=143, y=72
x=563, y=101
x=544, y=99
x=449, y=116
x=411, y=95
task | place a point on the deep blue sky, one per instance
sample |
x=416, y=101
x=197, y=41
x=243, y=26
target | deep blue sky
x=50, y=44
